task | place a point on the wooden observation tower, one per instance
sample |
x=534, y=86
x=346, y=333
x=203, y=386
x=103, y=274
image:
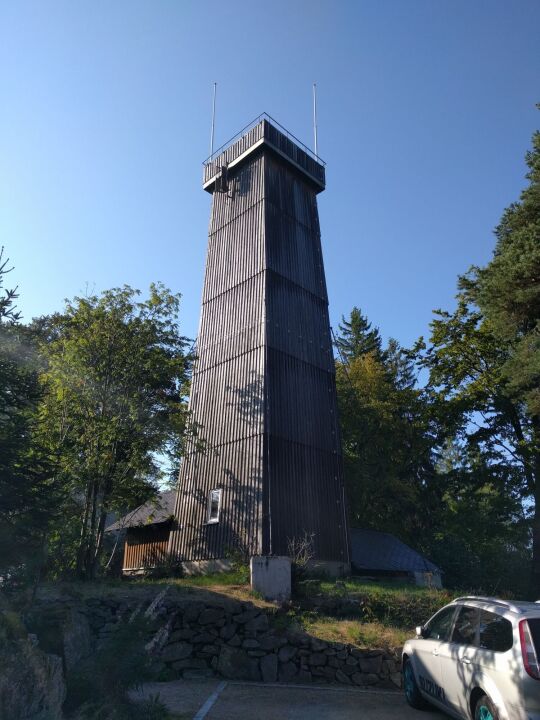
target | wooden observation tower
x=263, y=389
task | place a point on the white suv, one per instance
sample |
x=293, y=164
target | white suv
x=477, y=658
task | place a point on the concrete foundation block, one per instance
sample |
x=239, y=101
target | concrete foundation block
x=271, y=577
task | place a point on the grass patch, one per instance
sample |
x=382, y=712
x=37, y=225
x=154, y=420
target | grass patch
x=380, y=590
x=199, y=587
x=400, y=605
x=363, y=613
x=78, y=589
x=231, y=577
x=352, y=632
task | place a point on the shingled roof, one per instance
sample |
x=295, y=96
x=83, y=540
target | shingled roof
x=154, y=511
x=372, y=550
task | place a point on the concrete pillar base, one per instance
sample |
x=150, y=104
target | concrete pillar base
x=271, y=576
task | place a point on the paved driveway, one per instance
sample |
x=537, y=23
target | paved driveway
x=226, y=700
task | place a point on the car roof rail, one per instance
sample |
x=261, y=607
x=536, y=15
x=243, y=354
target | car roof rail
x=492, y=601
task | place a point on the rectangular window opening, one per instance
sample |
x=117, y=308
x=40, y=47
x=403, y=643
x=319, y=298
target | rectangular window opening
x=466, y=626
x=214, y=505
x=496, y=632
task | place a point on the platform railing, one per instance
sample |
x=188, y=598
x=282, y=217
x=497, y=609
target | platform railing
x=264, y=129
x=252, y=124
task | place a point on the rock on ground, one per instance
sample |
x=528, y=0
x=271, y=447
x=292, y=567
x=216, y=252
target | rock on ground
x=32, y=684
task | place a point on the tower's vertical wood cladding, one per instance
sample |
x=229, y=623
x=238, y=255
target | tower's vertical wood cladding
x=263, y=390
x=304, y=474
x=226, y=396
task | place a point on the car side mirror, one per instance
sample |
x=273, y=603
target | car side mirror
x=421, y=631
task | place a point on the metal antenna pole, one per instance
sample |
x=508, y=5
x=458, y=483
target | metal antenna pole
x=315, y=117
x=213, y=120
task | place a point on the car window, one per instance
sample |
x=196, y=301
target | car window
x=438, y=628
x=534, y=627
x=495, y=632
x=466, y=626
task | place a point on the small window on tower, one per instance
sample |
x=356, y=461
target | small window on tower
x=214, y=506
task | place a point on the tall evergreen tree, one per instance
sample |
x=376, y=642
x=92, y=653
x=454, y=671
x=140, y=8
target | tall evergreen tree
x=507, y=291
x=484, y=359
x=476, y=529
x=28, y=493
x=400, y=365
x=385, y=432
x=356, y=337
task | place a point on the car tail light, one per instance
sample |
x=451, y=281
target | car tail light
x=528, y=651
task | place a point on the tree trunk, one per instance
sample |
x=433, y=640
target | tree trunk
x=119, y=534
x=89, y=549
x=99, y=537
x=522, y=447
x=81, y=549
x=535, y=580
x=99, y=527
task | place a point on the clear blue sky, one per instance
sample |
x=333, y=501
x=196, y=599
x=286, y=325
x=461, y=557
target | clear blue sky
x=426, y=109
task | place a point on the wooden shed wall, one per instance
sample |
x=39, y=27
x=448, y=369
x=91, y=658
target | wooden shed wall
x=146, y=547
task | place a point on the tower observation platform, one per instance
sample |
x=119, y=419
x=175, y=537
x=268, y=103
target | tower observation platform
x=265, y=131
x=265, y=471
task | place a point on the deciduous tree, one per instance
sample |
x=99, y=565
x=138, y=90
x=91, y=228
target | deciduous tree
x=115, y=379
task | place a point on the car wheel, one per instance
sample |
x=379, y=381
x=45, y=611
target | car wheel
x=485, y=709
x=412, y=691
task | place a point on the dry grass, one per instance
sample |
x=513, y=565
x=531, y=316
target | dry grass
x=360, y=634
x=200, y=587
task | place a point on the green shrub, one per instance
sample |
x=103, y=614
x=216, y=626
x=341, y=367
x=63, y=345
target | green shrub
x=168, y=569
x=239, y=560
x=402, y=609
x=98, y=687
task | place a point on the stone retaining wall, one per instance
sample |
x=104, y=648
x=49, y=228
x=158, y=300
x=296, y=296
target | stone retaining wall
x=216, y=635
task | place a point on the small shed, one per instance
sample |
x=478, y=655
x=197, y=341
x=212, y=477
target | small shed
x=381, y=554
x=147, y=530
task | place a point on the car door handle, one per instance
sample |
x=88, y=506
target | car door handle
x=465, y=661
x=434, y=652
